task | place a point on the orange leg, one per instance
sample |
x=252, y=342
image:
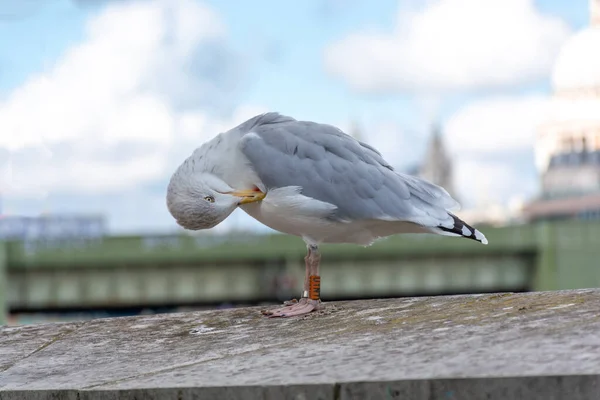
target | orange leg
x=311, y=296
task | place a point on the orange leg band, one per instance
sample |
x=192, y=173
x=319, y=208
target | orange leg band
x=314, y=288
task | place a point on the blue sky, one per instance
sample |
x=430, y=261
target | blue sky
x=288, y=37
x=292, y=57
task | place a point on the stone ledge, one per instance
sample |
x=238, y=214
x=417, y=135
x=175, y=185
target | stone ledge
x=543, y=345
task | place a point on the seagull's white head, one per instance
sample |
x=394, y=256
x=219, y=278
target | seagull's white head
x=202, y=200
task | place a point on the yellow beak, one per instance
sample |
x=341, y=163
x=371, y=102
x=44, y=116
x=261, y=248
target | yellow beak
x=248, y=196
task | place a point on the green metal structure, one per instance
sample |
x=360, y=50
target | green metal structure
x=179, y=270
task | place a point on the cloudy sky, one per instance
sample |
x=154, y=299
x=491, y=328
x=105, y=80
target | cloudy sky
x=101, y=100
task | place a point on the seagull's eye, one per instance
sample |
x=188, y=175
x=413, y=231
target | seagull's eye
x=210, y=199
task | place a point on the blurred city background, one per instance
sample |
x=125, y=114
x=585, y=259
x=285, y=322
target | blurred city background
x=497, y=100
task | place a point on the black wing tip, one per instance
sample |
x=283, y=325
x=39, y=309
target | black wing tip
x=465, y=230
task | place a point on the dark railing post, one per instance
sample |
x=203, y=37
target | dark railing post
x=546, y=274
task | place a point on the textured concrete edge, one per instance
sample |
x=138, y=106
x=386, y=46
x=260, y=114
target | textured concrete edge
x=49, y=342
x=572, y=387
x=3, y=284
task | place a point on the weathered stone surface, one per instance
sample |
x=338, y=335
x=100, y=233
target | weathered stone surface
x=530, y=346
x=22, y=342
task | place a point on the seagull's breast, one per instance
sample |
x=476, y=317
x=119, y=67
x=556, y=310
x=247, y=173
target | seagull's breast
x=288, y=211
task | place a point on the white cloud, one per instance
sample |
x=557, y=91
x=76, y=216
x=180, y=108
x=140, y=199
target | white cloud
x=491, y=142
x=451, y=45
x=393, y=141
x=122, y=107
x=496, y=124
x=482, y=183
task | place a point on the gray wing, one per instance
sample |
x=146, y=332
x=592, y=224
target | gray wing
x=333, y=167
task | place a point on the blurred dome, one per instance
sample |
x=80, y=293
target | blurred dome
x=578, y=64
x=579, y=111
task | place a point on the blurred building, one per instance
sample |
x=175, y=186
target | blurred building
x=51, y=227
x=436, y=165
x=355, y=130
x=568, y=142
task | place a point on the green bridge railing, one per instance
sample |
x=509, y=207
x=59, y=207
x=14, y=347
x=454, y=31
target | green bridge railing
x=556, y=255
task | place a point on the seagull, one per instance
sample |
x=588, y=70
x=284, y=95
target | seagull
x=310, y=180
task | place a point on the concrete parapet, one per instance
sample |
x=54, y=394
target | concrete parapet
x=542, y=345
